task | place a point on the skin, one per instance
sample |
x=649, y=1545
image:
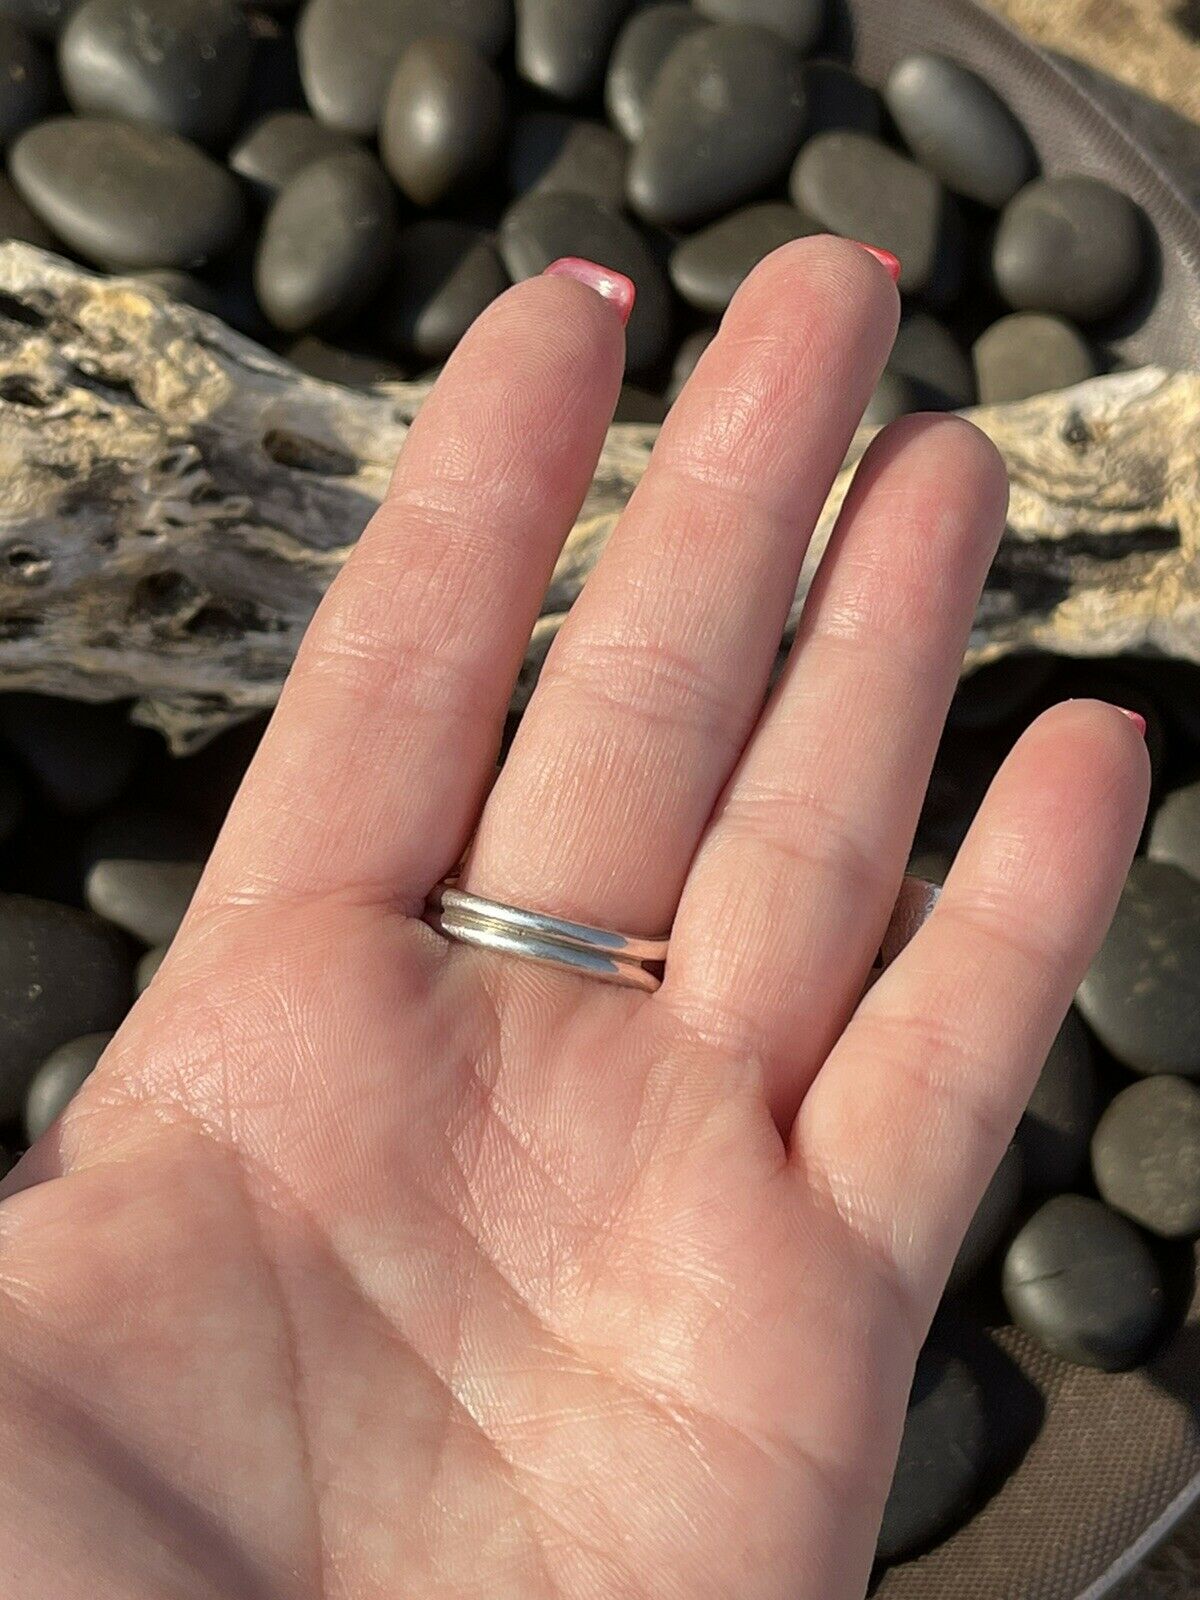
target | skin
x=367, y=1264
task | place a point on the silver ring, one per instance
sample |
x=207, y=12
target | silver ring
x=600, y=953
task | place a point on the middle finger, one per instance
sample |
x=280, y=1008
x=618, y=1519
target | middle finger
x=658, y=675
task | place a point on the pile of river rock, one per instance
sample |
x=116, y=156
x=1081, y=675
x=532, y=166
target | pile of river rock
x=352, y=182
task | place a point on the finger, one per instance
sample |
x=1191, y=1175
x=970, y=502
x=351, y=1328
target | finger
x=371, y=775
x=792, y=889
x=906, y=1122
x=659, y=673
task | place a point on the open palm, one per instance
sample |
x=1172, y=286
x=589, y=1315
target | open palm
x=371, y=1265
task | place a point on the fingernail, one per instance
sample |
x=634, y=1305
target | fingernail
x=614, y=287
x=889, y=262
x=1135, y=717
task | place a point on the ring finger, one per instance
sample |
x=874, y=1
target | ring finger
x=655, y=681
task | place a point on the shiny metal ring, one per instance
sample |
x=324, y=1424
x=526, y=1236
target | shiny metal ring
x=600, y=953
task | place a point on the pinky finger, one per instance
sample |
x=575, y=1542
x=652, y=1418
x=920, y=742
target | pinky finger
x=910, y=1114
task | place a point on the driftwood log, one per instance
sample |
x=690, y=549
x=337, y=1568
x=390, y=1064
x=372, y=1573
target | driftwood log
x=174, y=501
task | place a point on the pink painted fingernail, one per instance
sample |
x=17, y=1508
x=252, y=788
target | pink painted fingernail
x=889, y=262
x=615, y=287
x=1135, y=717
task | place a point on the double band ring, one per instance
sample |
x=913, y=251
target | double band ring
x=599, y=953
x=602, y=953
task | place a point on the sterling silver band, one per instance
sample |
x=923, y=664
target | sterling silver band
x=604, y=954
x=600, y=953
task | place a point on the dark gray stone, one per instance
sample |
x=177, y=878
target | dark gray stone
x=59, y=1079
x=553, y=153
x=17, y=221
x=349, y=48
x=639, y=406
x=686, y=358
x=1030, y=353
x=943, y=1456
x=1071, y=246
x=798, y=22
x=125, y=196
x=328, y=243
x=42, y=18
x=444, y=119
x=12, y=803
x=81, y=756
x=1057, y=1126
x=1080, y=1280
x=143, y=833
x=858, y=186
x=725, y=118
x=708, y=269
x=642, y=46
x=446, y=273
x=959, y=128
x=147, y=968
x=1146, y=1156
x=564, y=48
x=63, y=973
x=838, y=98
x=931, y=358
x=1175, y=831
x=542, y=228
x=148, y=899
x=895, y=396
x=992, y=1220
x=177, y=64
x=178, y=285
x=994, y=694
x=1141, y=996
x=270, y=154
x=26, y=82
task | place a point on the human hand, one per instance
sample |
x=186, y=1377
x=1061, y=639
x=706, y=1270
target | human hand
x=368, y=1264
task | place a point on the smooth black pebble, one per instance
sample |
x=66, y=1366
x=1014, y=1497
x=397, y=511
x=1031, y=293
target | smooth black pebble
x=328, y=243
x=446, y=273
x=356, y=369
x=1175, y=830
x=81, y=756
x=59, y=1079
x=1072, y=246
x=708, y=268
x=126, y=196
x=63, y=973
x=551, y=152
x=928, y=355
x=639, y=406
x=1082, y=1282
x=1141, y=995
x=564, y=48
x=348, y=49
x=725, y=119
x=838, y=98
x=943, y=1456
x=177, y=64
x=270, y=154
x=858, y=186
x=542, y=228
x=141, y=868
x=444, y=119
x=993, y=694
x=642, y=46
x=1030, y=353
x=686, y=358
x=798, y=22
x=1146, y=1156
x=26, y=81
x=1055, y=1131
x=992, y=1220
x=958, y=127
x=17, y=221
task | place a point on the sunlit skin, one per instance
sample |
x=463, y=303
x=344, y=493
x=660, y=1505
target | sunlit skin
x=369, y=1265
